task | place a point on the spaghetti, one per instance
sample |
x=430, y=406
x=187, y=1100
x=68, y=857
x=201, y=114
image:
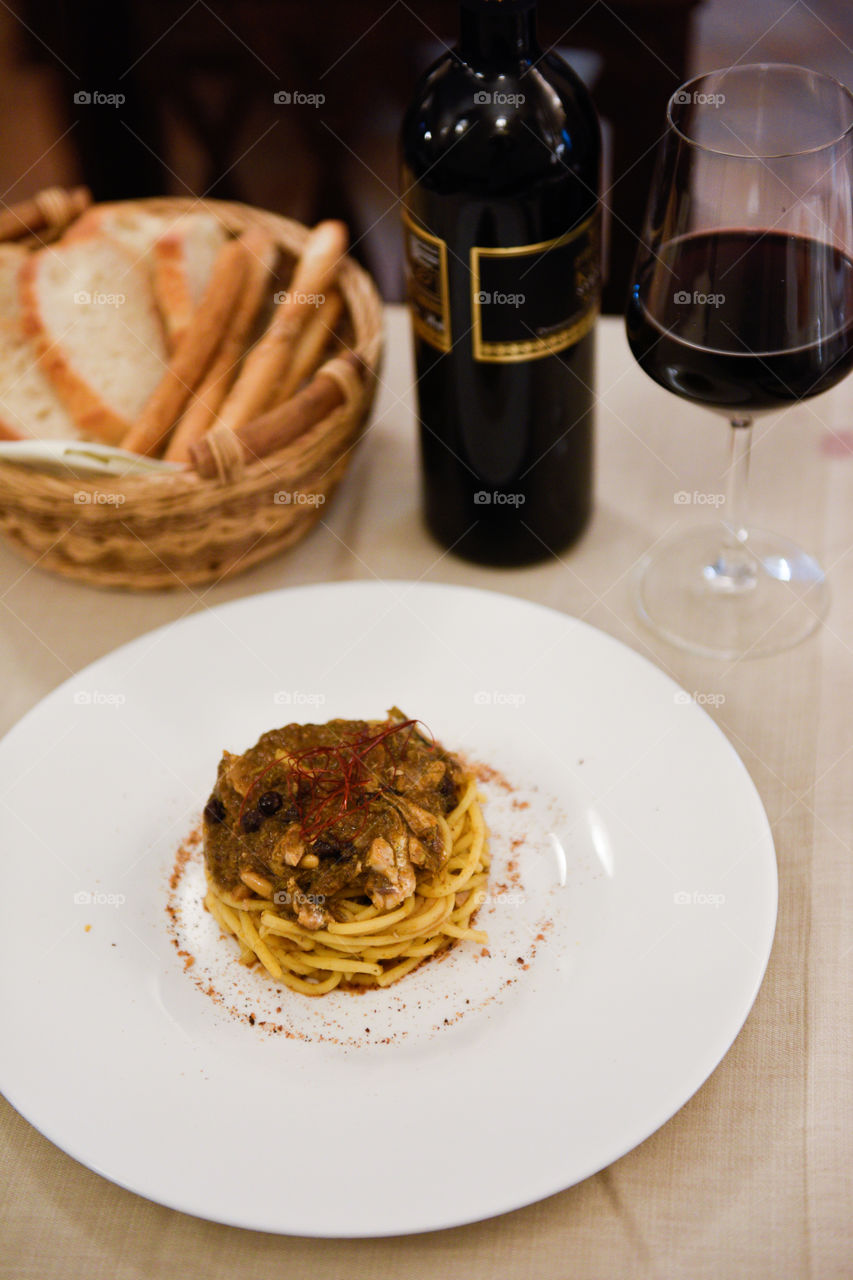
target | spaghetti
x=361, y=942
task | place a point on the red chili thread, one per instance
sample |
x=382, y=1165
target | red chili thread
x=345, y=771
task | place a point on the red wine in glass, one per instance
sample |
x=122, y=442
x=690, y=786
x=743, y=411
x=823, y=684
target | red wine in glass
x=778, y=326
x=742, y=301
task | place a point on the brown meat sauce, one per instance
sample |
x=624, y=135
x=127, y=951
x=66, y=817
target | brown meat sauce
x=322, y=811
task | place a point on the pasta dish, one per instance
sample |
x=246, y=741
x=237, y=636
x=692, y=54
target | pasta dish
x=345, y=854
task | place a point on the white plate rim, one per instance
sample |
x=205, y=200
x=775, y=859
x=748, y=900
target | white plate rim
x=440, y=1220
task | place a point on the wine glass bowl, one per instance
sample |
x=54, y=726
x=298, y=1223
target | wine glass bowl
x=742, y=301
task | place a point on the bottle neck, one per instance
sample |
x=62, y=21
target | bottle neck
x=497, y=33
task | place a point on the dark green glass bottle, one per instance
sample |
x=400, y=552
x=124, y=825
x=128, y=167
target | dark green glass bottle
x=501, y=156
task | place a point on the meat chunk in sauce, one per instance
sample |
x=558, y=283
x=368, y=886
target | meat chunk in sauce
x=348, y=809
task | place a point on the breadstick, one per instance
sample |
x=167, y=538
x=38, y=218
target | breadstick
x=52, y=208
x=313, y=275
x=281, y=425
x=201, y=411
x=309, y=347
x=194, y=353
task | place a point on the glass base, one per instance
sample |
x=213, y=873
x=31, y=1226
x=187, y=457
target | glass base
x=766, y=596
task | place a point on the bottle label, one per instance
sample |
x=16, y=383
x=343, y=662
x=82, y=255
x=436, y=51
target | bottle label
x=533, y=300
x=426, y=256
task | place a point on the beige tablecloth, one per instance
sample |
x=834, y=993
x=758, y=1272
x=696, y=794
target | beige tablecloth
x=753, y=1177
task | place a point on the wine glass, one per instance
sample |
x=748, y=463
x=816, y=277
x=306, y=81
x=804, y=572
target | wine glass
x=742, y=300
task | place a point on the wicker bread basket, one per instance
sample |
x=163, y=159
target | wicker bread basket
x=175, y=529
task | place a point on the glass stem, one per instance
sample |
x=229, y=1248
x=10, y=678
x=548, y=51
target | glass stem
x=735, y=570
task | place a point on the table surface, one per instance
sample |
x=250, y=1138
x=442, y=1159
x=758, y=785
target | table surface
x=753, y=1177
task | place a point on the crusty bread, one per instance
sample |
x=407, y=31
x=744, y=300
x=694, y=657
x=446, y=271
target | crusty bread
x=179, y=252
x=29, y=405
x=183, y=261
x=89, y=308
x=199, y=345
x=268, y=361
x=135, y=228
x=12, y=258
x=261, y=255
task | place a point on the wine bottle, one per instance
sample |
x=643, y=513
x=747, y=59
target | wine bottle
x=501, y=221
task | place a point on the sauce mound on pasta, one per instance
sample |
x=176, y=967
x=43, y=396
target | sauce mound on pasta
x=347, y=851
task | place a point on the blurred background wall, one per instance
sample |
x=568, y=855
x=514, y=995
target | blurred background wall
x=295, y=105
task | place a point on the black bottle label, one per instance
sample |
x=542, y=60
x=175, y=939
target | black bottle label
x=426, y=256
x=532, y=300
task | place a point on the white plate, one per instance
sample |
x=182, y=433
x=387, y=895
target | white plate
x=644, y=861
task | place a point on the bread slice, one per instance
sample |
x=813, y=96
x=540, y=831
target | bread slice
x=29, y=406
x=179, y=251
x=12, y=258
x=134, y=227
x=183, y=259
x=89, y=308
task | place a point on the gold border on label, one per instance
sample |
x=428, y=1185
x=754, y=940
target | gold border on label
x=533, y=348
x=441, y=342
